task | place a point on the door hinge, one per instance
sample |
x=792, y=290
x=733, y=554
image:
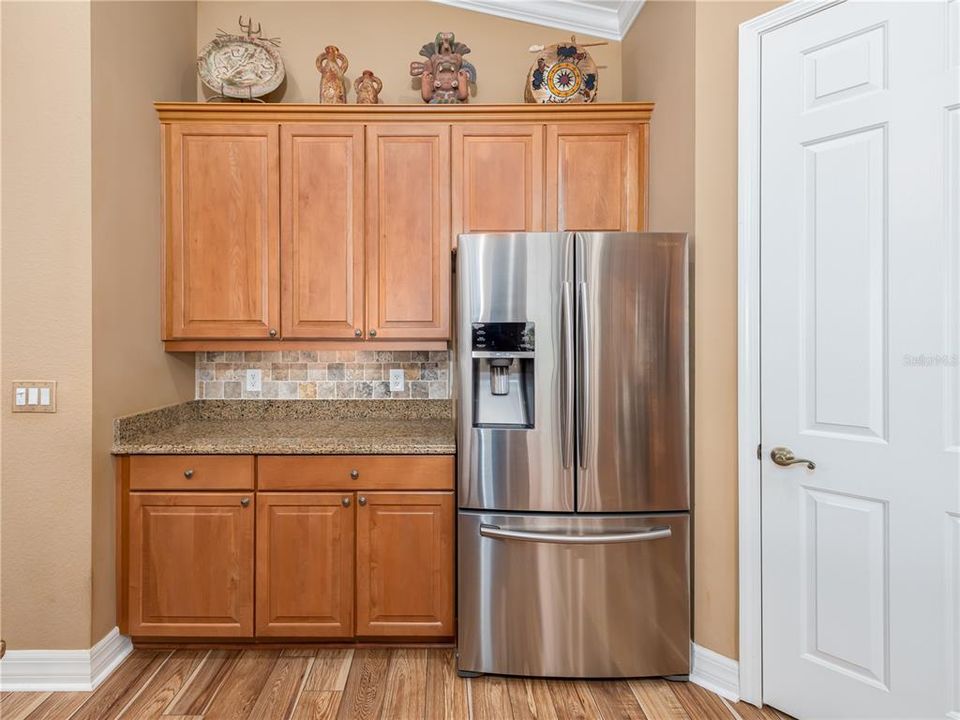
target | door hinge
x=759, y=452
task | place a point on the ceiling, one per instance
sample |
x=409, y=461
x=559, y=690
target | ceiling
x=601, y=18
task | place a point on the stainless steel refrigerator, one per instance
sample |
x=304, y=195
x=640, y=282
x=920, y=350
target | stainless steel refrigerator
x=573, y=527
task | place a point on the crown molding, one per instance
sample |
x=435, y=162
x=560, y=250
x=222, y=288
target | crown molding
x=609, y=20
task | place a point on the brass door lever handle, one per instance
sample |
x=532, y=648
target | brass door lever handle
x=784, y=457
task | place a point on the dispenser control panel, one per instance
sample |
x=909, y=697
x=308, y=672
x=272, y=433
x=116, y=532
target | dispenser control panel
x=504, y=337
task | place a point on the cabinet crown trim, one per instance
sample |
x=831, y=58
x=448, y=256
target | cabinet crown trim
x=303, y=112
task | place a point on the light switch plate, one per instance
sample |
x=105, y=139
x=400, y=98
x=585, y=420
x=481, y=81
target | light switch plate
x=34, y=396
x=396, y=380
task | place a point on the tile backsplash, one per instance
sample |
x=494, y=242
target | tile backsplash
x=323, y=374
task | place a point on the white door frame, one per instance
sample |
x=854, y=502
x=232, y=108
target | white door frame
x=748, y=342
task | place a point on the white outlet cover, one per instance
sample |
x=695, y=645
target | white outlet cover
x=396, y=380
x=254, y=378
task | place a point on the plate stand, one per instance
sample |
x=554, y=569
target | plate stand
x=220, y=97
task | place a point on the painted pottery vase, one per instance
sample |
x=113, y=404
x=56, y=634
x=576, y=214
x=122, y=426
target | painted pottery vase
x=445, y=77
x=367, y=87
x=332, y=65
x=563, y=73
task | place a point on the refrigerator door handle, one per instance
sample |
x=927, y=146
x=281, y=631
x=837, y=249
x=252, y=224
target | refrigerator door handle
x=566, y=381
x=495, y=532
x=583, y=372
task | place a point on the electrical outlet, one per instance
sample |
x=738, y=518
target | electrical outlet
x=34, y=396
x=396, y=380
x=254, y=378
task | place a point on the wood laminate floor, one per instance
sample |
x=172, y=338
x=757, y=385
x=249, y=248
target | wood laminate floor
x=362, y=684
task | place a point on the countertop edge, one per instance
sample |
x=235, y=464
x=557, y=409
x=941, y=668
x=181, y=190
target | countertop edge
x=146, y=449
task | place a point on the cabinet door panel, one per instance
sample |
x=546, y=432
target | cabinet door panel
x=305, y=565
x=408, y=231
x=322, y=230
x=222, y=261
x=191, y=565
x=497, y=178
x=595, y=177
x=405, y=564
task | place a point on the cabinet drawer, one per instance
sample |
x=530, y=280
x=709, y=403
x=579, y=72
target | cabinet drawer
x=346, y=472
x=191, y=472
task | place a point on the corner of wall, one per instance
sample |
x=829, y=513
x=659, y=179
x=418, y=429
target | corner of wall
x=141, y=52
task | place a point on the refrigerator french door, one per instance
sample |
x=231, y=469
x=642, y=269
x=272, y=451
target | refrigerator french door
x=573, y=529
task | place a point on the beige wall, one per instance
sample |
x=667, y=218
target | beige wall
x=713, y=137
x=80, y=258
x=386, y=36
x=658, y=66
x=715, y=368
x=141, y=51
x=46, y=291
x=80, y=291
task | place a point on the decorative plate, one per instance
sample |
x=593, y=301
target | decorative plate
x=563, y=73
x=240, y=67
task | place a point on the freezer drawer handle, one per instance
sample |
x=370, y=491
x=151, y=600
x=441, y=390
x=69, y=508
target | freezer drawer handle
x=498, y=533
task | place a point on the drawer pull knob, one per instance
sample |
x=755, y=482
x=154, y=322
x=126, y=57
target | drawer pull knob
x=345, y=502
x=362, y=500
x=245, y=501
x=188, y=473
x=354, y=474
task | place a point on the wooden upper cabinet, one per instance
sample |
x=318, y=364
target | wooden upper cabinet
x=305, y=564
x=322, y=231
x=596, y=177
x=222, y=272
x=405, y=570
x=190, y=564
x=408, y=231
x=497, y=178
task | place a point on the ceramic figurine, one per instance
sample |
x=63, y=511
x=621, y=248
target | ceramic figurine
x=332, y=65
x=445, y=77
x=563, y=73
x=367, y=87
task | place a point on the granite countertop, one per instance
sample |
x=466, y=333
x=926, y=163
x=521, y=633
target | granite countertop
x=290, y=427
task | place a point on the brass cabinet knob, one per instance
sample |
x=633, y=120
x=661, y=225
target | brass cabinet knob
x=354, y=474
x=373, y=332
x=362, y=500
x=358, y=332
x=273, y=332
x=345, y=502
x=188, y=473
x=245, y=501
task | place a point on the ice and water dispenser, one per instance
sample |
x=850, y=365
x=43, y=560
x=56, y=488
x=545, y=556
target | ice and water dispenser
x=503, y=374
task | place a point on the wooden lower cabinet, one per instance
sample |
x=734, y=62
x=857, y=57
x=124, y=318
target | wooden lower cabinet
x=305, y=564
x=405, y=567
x=190, y=564
x=300, y=563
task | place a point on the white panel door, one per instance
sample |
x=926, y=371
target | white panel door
x=860, y=338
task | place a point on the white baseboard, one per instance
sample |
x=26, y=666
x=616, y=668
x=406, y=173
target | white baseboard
x=51, y=670
x=716, y=673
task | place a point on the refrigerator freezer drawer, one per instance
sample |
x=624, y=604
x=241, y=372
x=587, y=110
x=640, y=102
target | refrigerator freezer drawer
x=574, y=596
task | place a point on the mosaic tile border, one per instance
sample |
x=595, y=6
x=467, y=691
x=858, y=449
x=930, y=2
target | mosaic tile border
x=323, y=374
